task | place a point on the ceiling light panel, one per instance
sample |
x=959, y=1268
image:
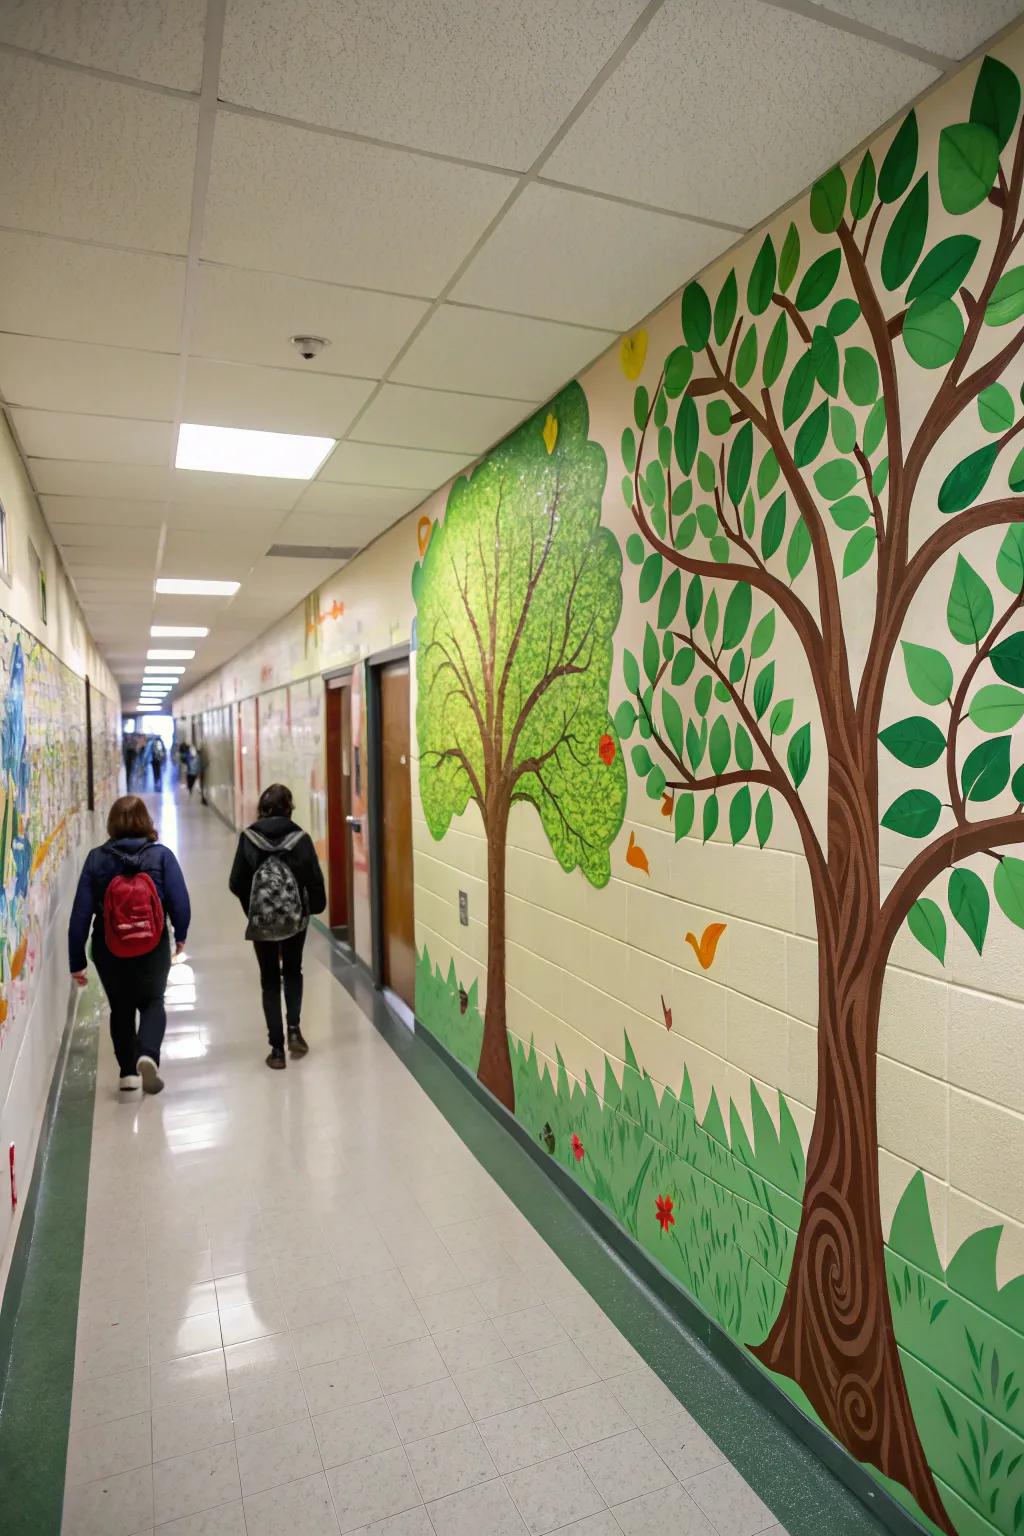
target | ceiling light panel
x=241, y=451
x=159, y=655
x=177, y=586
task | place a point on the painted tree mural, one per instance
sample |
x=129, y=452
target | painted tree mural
x=518, y=596
x=793, y=444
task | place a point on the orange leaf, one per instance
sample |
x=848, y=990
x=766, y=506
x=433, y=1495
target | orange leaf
x=667, y=1012
x=704, y=947
x=635, y=856
x=423, y=531
x=668, y=801
x=18, y=960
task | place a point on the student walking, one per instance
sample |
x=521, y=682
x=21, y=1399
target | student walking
x=158, y=758
x=277, y=878
x=190, y=763
x=127, y=890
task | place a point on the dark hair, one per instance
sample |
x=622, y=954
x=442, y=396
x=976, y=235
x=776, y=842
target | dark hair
x=130, y=818
x=276, y=800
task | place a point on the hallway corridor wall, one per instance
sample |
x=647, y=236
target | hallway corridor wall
x=719, y=691
x=45, y=824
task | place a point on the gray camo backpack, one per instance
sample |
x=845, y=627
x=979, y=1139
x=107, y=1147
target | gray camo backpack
x=276, y=907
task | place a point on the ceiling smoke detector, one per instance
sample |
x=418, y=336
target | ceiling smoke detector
x=309, y=347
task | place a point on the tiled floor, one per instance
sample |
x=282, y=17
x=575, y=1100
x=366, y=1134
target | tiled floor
x=306, y=1309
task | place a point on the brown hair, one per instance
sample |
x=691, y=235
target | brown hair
x=130, y=818
x=276, y=800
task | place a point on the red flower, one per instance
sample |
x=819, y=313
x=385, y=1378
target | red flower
x=606, y=750
x=663, y=1212
x=577, y=1148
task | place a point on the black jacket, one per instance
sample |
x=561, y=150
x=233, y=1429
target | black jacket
x=301, y=860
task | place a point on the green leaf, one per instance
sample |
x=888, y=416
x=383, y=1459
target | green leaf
x=696, y=741
x=843, y=314
x=673, y=717
x=641, y=758
x=737, y=615
x=746, y=357
x=798, y=754
x=928, y=672
x=915, y=813
x=725, y=308
x=629, y=449
x=825, y=357
x=969, y=609
x=625, y=720
x=773, y=527
x=1007, y=658
x=763, y=818
x=706, y=472
x=781, y=717
x=986, y=770
x=655, y=782
x=744, y=749
x=682, y=665
x=1008, y=885
x=969, y=903
x=694, y=601
x=828, y=201
x=684, y=815
x=967, y=479
x=764, y=687
x=810, y=440
x=1010, y=559
x=1017, y=786
x=687, y=434
x=762, y=279
x=880, y=476
x=944, y=268
x=932, y=332
x=905, y=240
x=860, y=376
x=1015, y=477
x=664, y=437
x=1007, y=301
x=702, y=695
x=916, y=741
x=789, y=260
x=710, y=818
x=874, y=428
x=844, y=428
x=678, y=369
x=741, y=457
x=686, y=532
x=968, y=164
x=775, y=351
x=650, y=577
x=850, y=513
x=995, y=408
x=641, y=406
x=719, y=547
x=767, y=473
x=859, y=551
x=764, y=634
x=719, y=417
x=630, y=672
x=720, y=745
x=739, y=814
x=652, y=654
x=819, y=280
x=996, y=99
x=799, y=388
x=996, y=707
x=900, y=161
x=862, y=194
x=799, y=549
x=668, y=603
x=660, y=409
x=696, y=314
x=711, y=616
x=927, y=924
x=836, y=478
x=635, y=549
x=737, y=666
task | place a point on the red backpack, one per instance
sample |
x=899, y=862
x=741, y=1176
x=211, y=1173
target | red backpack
x=133, y=914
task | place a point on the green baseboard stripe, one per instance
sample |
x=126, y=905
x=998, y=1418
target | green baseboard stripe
x=39, y=1316
x=807, y=1479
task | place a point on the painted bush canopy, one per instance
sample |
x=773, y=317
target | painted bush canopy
x=830, y=444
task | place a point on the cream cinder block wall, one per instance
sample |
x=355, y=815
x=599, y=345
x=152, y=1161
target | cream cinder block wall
x=30, y=1039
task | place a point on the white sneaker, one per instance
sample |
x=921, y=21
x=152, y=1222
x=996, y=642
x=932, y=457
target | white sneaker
x=129, y=1082
x=152, y=1082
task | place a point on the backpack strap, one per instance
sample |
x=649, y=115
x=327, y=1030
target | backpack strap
x=259, y=841
x=292, y=840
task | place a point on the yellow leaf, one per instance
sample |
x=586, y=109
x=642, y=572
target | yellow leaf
x=550, y=433
x=424, y=528
x=633, y=353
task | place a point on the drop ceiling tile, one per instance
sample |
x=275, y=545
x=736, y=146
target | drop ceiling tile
x=369, y=464
x=329, y=499
x=438, y=419
x=85, y=557
x=191, y=554
x=97, y=509
x=270, y=399
x=109, y=536
x=58, y=288
x=770, y=99
x=94, y=159
x=247, y=317
x=568, y=256
x=337, y=532
x=73, y=376
x=258, y=522
x=285, y=199
x=952, y=30
x=205, y=487
x=487, y=353
x=103, y=439
x=133, y=482
x=487, y=82
x=162, y=43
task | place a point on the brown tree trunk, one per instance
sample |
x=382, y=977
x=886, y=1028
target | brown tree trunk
x=834, y=1333
x=495, y=1070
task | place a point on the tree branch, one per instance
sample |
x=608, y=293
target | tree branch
x=952, y=847
x=956, y=798
x=802, y=328
x=457, y=754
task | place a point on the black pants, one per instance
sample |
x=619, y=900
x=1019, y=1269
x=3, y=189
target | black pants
x=135, y=987
x=281, y=963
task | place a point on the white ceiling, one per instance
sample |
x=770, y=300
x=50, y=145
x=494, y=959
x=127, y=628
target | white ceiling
x=471, y=201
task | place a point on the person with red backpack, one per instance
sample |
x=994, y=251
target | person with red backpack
x=127, y=890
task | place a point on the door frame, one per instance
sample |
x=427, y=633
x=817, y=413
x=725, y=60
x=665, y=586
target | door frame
x=339, y=680
x=374, y=666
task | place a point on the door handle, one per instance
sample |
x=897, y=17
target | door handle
x=355, y=822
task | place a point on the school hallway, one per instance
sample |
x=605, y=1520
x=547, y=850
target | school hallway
x=306, y=1307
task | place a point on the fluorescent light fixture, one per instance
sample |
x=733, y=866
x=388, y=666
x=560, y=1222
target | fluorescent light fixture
x=159, y=655
x=159, y=674
x=240, y=451
x=150, y=709
x=181, y=586
x=179, y=631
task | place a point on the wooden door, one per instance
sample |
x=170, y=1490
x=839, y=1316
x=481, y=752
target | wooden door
x=339, y=805
x=399, y=943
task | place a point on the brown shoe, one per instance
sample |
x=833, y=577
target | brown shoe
x=297, y=1045
x=276, y=1059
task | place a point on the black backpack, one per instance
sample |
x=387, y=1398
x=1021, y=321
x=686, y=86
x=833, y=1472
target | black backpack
x=277, y=910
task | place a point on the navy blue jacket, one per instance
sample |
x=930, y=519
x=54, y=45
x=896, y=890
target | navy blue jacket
x=100, y=868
